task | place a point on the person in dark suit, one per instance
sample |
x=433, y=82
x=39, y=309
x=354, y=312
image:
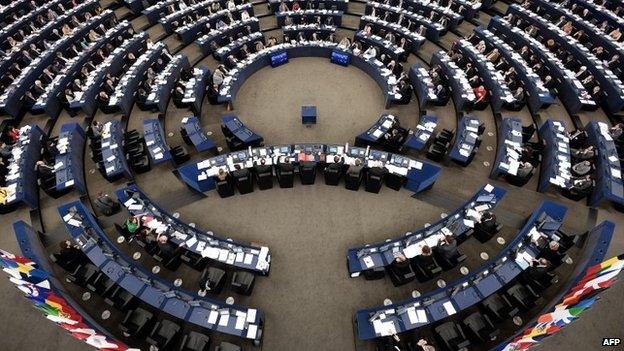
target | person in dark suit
x=487, y=225
x=69, y=257
x=447, y=248
x=539, y=269
x=553, y=253
x=425, y=260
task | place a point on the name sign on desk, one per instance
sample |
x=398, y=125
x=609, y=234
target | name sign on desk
x=279, y=59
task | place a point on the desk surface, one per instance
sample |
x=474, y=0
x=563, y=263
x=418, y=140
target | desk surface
x=204, y=312
x=463, y=293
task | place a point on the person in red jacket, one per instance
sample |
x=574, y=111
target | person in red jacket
x=481, y=93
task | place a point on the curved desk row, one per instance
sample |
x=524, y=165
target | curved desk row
x=45, y=32
x=419, y=175
x=23, y=20
x=204, y=312
x=571, y=92
x=382, y=45
x=113, y=65
x=309, y=16
x=69, y=162
x=330, y=4
x=220, y=36
x=414, y=40
x=509, y=150
x=256, y=259
x=155, y=141
x=124, y=96
x=57, y=299
x=11, y=100
x=601, y=13
x=459, y=224
x=114, y=164
x=195, y=89
x=21, y=179
x=158, y=98
x=500, y=94
x=589, y=269
x=466, y=143
x=608, y=174
x=373, y=67
x=50, y=101
x=595, y=35
x=158, y=10
x=434, y=30
x=380, y=134
x=537, y=95
x=194, y=134
x=423, y=87
x=308, y=31
x=234, y=47
x=454, y=18
x=556, y=162
x=439, y=304
x=461, y=91
x=198, y=9
x=610, y=83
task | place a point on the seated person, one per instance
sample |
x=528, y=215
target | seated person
x=355, y=170
x=584, y=153
x=553, y=253
x=447, y=248
x=582, y=168
x=43, y=170
x=539, y=270
x=425, y=260
x=70, y=256
x=582, y=185
x=487, y=225
x=132, y=225
x=524, y=170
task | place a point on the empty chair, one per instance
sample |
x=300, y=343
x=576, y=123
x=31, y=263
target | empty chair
x=394, y=181
x=436, y=152
x=164, y=335
x=285, y=175
x=498, y=307
x=264, y=176
x=307, y=172
x=451, y=337
x=479, y=327
x=101, y=284
x=332, y=173
x=194, y=341
x=84, y=275
x=212, y=279
x=374, y=180
x=522, y=296
x=121, y=299
x=401, y=272
x=185, y=136
x=243, y=180
x=137, y=322
x=243, y=282
x=226, y=346
x=179, y=154
x=193, y=260
x=374, y=274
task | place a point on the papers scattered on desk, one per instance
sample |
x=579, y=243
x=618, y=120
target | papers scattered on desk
x=252, y=331
x=450, y=309
x=488, y=188
x=212, y=317
x=368, y=261
x=416, y=316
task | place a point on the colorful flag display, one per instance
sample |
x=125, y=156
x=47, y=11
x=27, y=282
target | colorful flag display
x=35, y=285
x=578, y=299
